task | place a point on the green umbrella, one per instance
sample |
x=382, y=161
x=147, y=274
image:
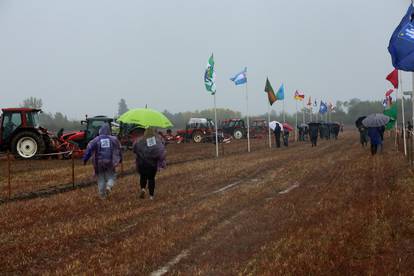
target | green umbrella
x=145, y=118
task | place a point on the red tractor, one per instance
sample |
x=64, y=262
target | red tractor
x=21, y=133
x=78, y=140
x=259, y=128
x=197, y=130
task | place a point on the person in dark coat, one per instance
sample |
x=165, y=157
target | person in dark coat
x=150, y=157
x=277, y=131
x=374, y=134
x=335, y=128
x=285, y=137
x=363, y=135
x=313, y=133
x=302, y=133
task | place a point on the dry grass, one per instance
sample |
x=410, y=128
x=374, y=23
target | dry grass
x=350, y=214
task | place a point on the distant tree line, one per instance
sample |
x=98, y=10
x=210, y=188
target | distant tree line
x=345, y=112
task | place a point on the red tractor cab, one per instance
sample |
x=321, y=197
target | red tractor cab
x=21, y=133
x=197, y=130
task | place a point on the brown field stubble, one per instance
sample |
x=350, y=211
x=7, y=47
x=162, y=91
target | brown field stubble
x=345, y=213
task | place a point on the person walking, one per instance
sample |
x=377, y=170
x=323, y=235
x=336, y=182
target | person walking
x=363, y=135
x=374, y=134
x=285, y=137
x=313, y=133
x=277, y=131
x=150, y=157
x=106, y=154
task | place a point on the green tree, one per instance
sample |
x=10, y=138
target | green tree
x=122, y=107
x=32, y=102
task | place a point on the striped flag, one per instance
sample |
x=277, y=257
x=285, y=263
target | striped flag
x=299, y=96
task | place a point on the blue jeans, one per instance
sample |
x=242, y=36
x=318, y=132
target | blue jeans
x=105, y=179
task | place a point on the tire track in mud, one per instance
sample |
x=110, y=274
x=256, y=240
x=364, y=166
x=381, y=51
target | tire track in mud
x=196, y=249
x=68, y=187
x=129, y=229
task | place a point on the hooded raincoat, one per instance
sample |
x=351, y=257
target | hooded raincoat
x=105, y=151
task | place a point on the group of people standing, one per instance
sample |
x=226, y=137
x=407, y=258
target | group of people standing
x=313, y=130
x=106, y=153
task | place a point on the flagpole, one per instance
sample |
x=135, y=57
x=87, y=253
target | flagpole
x=403, y=111
x=303, y=110
x=248, y=120
x=215, y=122
x=268, y=126
x=296, y=122
x=396, y=120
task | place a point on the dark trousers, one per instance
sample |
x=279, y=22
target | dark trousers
x=374, y=148
x=314, y=140
x=147, y=174
x=277, y=138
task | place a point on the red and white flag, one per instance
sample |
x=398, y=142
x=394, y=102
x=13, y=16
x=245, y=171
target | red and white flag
x=393, y=78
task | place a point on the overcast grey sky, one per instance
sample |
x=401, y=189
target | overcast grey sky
x=82, y=56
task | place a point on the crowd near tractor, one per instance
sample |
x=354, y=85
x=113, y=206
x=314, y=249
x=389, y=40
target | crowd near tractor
x=21, y=133
x=197, y=130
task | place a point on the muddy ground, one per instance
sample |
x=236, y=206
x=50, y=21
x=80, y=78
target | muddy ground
x=333, y=209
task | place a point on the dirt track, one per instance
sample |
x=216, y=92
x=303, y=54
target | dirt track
x=333, y=209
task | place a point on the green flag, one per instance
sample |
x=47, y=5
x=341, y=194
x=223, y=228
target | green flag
x=270, y=93
x=210, y=76
x=391, y=112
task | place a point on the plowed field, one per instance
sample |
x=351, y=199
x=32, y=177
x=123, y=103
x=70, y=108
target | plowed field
x=333, y=209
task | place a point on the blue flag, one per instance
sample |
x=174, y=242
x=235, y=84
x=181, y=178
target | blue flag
x=401, y=46
x=323, y=108
x=240, y=78
x=280, y=95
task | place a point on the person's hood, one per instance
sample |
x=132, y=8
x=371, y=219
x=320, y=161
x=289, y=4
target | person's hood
x=105, y=130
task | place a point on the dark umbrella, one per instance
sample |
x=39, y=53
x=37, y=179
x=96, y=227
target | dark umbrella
x=358, y=122
x=376, y=120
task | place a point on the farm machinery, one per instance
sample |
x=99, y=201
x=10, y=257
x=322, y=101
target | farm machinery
x=21, y=133
x=76, y=141
x=198, y=130
x=237, y=128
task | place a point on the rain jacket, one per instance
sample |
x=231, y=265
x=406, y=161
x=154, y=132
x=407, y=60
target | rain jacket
x=375, y=135
x=105, y=151
x=150, y=152
x=313, y=131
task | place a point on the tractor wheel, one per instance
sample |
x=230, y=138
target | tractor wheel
x=197, y=137
x=238, y=134
x=27, y=145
